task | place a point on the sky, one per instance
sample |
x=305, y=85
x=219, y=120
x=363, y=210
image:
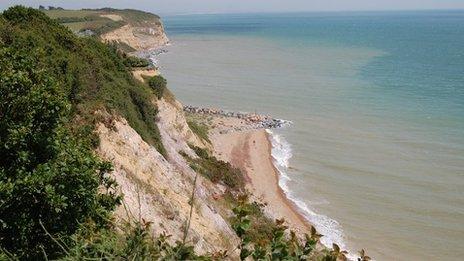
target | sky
x=244, y=6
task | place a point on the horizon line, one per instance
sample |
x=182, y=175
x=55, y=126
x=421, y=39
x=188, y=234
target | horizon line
x=314, y=11
x=268, y=12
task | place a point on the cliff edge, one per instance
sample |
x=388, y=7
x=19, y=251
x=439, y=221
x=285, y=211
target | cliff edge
x=131, y=30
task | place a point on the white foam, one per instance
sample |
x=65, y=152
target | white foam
x=281, y=153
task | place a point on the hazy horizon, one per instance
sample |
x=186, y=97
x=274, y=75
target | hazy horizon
x=165, y=7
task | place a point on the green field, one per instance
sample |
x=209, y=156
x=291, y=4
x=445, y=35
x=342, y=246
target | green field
x=69, y=13
x=79, y=20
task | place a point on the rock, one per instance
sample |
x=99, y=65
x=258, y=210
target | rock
x=255, y=121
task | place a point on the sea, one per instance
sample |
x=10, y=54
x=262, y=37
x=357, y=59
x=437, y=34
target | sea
x=375, y=155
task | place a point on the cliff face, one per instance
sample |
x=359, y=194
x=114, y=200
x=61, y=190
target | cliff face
x=140, y=37
x=142, y=31
x=159, y=190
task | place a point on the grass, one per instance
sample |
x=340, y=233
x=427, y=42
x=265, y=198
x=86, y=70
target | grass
x=69, y=13
x=77, y=26
x=78, y=20
x=135, y=17
x=200, y=129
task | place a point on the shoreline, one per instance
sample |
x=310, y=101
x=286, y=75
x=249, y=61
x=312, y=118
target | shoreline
x=243, y=140
x=251, y=151
x=282, y=193
x=249, y=147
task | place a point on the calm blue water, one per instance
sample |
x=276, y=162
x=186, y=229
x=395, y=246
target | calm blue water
x=377, y=101
x=424, y=60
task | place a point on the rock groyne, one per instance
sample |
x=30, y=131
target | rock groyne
x=252, y=120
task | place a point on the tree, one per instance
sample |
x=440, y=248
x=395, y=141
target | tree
x=49, y=181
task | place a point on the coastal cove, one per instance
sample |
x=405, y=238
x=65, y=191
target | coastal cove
x=376, y=145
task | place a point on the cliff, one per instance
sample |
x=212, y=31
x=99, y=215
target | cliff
x=159, y=190
x=131, y=30
x=138, y=37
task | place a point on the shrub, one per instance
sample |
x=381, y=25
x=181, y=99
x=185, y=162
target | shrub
x=49, y=181
x=135, y=242
x=278, y=245
x=133, y=61
x=216, y=170
x=201, y=130
x=158, y=84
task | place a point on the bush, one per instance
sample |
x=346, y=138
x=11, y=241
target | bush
x=275, y=243
x=133, y=61
x=158, y=84
x=51, y=83
x=199, y=129
x=49, y=181
x=134, y=243
x=216, y=170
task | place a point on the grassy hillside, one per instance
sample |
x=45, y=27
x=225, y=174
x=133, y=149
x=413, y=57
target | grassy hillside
x=92, y=74
x=101, y=21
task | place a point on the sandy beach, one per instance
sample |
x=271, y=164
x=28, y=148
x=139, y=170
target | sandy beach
x=251, y=152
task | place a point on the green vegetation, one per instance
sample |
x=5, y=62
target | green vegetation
x=133, y=61
x=49, y=180
x=136, y=243
x=263, y=239
x=100, y=26
x=132, y=16
x=276, y=245
x=158, y=84
x=92, y=75
x=51, y=83
x=54, y=14
x=95, y=20
x=200, y=129
x=216, y=170
x=80, y=20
